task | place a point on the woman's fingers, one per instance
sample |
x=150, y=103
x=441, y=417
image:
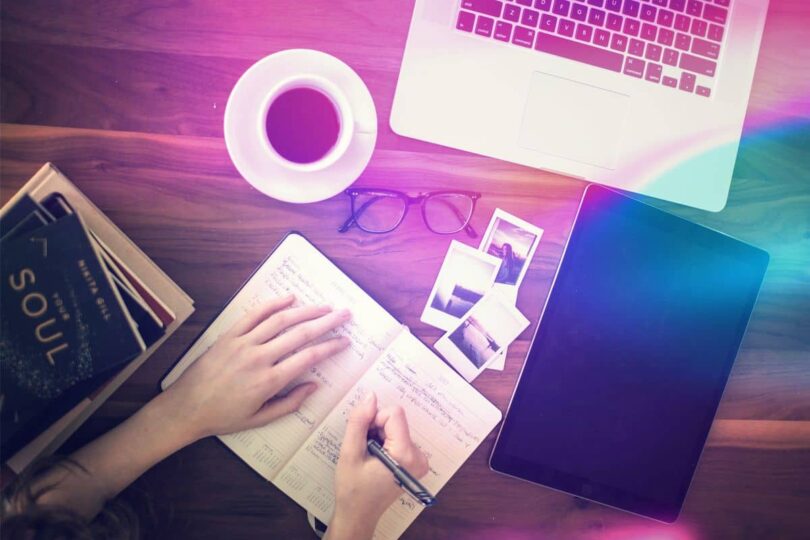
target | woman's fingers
x=300, y=362
x=280, y=321
x=259, y=314
x=303, y=334
x=356, y=437
x=280, y=406
x=392, y=423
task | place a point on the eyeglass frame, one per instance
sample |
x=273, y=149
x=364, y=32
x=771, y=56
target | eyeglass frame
x=409, y=200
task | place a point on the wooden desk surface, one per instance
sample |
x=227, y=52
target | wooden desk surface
x=127, y=99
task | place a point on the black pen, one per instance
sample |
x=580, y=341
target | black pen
x=406, y=481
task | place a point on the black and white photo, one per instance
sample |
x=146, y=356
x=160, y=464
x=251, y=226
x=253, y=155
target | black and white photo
x=489, y=327
x=465, y=277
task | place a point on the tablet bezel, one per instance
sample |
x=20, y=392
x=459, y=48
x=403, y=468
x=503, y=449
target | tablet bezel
x=582, y=487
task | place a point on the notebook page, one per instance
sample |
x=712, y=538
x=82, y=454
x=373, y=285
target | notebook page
x=448, y=419
x=297, y=267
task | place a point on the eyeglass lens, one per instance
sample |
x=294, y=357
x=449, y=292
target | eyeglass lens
x=378, y=212
x=447, y=213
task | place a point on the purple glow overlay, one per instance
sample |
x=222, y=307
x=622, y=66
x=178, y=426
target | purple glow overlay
x=652, y=531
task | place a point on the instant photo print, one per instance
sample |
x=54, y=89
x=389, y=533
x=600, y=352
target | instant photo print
x=465, y=277
x=487, y=329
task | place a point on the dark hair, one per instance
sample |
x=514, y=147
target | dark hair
x=24, y=518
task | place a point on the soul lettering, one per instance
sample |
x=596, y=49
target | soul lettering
x=35, y=306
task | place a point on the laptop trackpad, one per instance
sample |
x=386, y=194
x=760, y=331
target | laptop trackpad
x=574, y=120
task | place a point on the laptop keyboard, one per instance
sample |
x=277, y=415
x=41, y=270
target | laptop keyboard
x=675, y=43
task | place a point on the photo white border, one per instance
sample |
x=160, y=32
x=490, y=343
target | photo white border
x=457, y=359
x=438, y=318
x=521, y=223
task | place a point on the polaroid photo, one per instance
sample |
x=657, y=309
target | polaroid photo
x=465, y=277
x=487, y=329
x=514, y=242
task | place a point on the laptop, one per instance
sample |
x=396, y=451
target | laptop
x=646, y=96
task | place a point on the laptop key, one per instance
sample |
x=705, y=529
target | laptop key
x=671, y=57
x=703, y=91
x=566, y=28
x=687, y=82
x=601, y=37
x=648, y=13
x=548, y=22
x=636, y=47
x=697, y=65
x=561, y=7
x=634, y=67
x=466, y=20
x=694, y=8
x=487, y=7
x=596, y=17
x=665, y=17
x=682, y=23
x=584, y=32
x=698, y=28
x=579, y=12
x=530, y=18
x=715, y=32
x=614, y=22
x=580, y=52
x=653, y=72
x=511, y=13
x=484, y=26
x=613, y=5
x=544, y=5
x=618, y=42
x=669, y=81
x=715, y=14
x=682, y=42
x=665, y=37
x=677, y=5
x=648, y=31
x=706, y=48
x=630, y=8
x=523, y=36
x=503, y=31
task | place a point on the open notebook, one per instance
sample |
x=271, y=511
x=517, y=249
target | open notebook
x=298, y=453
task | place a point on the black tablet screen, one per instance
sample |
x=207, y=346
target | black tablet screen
x=631, y=356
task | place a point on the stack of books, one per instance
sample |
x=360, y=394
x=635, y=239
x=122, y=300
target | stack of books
x=81, y=308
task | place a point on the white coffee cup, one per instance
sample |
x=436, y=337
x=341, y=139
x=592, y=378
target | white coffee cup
x=346, y=123
x=246, y=126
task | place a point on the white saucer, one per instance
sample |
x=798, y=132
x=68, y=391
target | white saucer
x=248, y=149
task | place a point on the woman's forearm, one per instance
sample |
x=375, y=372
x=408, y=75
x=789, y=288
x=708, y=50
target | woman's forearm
x=116, y=459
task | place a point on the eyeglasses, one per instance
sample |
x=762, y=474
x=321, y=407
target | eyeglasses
x=381, y=211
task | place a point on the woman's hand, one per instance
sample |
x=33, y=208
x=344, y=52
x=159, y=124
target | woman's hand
x=235, y=385
x=364, y=487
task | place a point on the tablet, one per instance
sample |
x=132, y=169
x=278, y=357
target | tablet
x=632, y=352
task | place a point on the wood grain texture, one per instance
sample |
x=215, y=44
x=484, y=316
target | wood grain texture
x=127, y=99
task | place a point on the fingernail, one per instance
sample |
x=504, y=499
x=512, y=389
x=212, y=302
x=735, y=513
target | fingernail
x=312, y=388
x=344, y=341
x=370, y=397
x=345, y=314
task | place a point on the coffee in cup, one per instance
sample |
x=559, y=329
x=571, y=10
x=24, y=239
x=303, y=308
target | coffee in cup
x=307, y=123
x=303, y=124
